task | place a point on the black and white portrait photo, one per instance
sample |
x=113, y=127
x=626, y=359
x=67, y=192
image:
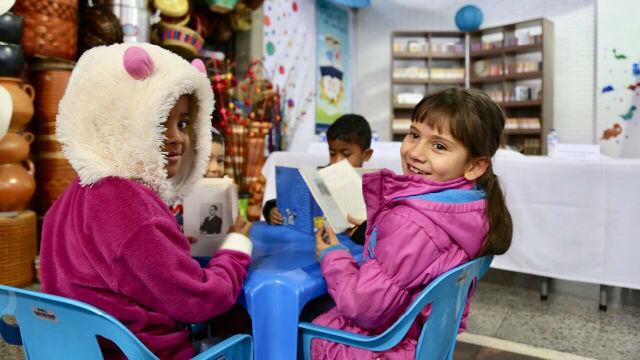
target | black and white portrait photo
x=211, y=219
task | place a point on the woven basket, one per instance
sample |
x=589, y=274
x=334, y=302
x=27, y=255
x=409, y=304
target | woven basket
x=50, y=27
x=17, y=248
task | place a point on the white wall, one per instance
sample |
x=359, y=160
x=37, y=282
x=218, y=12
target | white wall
x=574, y=22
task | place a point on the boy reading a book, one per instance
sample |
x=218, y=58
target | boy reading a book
x=349, y=137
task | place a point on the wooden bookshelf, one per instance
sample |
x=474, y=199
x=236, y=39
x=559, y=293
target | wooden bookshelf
x=516, y=61
x=437, y=56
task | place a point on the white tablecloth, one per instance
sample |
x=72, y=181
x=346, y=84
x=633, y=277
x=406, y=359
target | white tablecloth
x=573, y=220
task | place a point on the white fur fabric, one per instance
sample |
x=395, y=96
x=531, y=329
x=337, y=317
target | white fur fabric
x=111, y=124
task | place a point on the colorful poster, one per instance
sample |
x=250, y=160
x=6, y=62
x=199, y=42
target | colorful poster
x=618, y=79
x=332, y=53
x=288, y=34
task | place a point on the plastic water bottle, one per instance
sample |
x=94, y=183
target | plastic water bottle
x=552, y=142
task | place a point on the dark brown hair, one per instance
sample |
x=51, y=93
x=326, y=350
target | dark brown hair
x=475, y=120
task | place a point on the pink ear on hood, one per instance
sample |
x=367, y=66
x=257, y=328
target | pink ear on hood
x=198, y=64
x=138, y=63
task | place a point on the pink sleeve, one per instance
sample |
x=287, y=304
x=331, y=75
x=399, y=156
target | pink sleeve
x=155, y=269
x=377, y=293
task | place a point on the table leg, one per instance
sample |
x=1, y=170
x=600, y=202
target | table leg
x=274, y=311
x=544, y=288
x=603, y=298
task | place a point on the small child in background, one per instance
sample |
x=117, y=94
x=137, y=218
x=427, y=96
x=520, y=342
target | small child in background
x=216, y=161
x=349, y=137
x=445, y=210
x=135, y=123
x=215, y=169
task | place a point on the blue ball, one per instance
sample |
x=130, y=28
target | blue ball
x=469, y=18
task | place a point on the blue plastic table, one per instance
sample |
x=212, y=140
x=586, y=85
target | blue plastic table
x=284, y=276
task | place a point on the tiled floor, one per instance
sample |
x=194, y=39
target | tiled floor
x=563, y=323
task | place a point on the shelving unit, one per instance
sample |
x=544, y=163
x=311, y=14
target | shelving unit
x=422, y=62
x=512, y=63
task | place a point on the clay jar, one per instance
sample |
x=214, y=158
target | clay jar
x=17, y=185
x=14, y=147
x=22, y=95
x=50, y=80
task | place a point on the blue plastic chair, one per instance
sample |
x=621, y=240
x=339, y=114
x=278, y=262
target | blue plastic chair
x=54, y=327
x=447, y=295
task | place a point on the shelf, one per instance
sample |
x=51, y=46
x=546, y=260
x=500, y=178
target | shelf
x=410, y=81
x=524, y=76
x=447, y=55
x=401, y=126
x=519, y=49
x=523, y=131
x=411, y=54
x=403, y=106
x=427, y=81
x=527, y=103
x=518, y=76
x=487, y=53
x=446, y=81
x=426, y=55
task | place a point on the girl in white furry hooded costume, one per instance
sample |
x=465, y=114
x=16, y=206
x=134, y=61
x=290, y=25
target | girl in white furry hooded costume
x=135, y=124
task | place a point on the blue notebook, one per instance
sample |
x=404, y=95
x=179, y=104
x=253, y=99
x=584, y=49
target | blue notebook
x=294, y=200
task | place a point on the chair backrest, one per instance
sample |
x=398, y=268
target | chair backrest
x=54, y=327
x=447, y=295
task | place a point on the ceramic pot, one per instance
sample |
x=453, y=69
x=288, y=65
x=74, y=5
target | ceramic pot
x=50, y=80
x=11, y=59
x=48, y=143
x=10, y=28
x=14, y=147
x=22, y=95
x=17, y=185
x=6, y=111
x=54, y=175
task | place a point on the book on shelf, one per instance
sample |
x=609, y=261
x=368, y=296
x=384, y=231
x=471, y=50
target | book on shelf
x=209, y=211
x=336, y=189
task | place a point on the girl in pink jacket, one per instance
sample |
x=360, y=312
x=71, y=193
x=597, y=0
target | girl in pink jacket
x=135, y=124
x=446, y=209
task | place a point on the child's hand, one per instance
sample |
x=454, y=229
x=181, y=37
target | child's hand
x=275, y=218
x=325, y=237
x=241, y=226
x=354, y=221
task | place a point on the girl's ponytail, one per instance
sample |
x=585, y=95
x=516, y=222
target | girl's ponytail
x=500, y=223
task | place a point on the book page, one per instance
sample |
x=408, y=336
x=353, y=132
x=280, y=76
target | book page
x=345, y=185
x=332, y=211
x=209, y=211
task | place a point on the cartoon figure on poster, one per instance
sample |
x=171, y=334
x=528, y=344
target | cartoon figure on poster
x=331, y=71
x=333, y=84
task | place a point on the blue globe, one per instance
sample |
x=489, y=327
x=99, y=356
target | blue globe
x=469, y=18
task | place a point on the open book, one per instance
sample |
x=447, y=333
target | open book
x=209, y=211
x=337, y=189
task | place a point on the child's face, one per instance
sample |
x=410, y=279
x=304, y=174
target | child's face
x=177, y=135
x=434, y=155
x=216, y=162
x=339, y=150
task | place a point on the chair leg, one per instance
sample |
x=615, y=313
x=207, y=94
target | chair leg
x=544, y=289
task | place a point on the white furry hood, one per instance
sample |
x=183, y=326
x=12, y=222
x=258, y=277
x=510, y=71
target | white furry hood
x=111, y=119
